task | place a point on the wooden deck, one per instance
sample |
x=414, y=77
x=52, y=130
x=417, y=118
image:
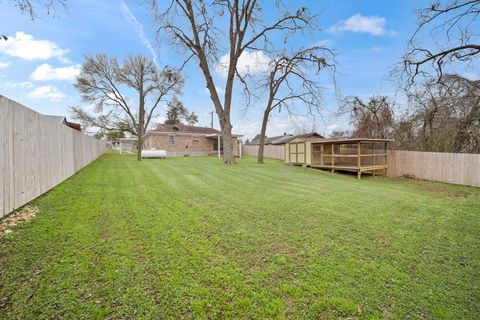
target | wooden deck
x=359, y=170
x=356, y=155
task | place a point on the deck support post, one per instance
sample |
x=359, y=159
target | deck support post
x=359, y=175
x=359, y=160
x=218, y=139
x=386, y=158
x=333, y=156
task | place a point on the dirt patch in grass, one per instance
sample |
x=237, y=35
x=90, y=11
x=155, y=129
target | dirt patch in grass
x=24, y=214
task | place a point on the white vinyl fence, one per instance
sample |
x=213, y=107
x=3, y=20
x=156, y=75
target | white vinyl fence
x=270, y=151
x=37, y=152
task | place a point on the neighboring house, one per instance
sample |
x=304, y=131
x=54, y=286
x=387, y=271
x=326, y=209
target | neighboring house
x=311, y=136
x=63, y=120
x=123, y=144
x=268, y=140
x=184, y=140
x=286, y=138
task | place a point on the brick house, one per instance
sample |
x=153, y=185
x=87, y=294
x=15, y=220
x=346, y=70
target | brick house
x=181, y=140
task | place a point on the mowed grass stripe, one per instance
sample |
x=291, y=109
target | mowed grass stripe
x=193, y=238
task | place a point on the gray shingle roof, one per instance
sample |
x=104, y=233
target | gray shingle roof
x=182, y=128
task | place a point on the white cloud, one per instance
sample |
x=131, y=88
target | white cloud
x=47, y=92
x=220, y=91
x=47, y=72
x=24, y=46
x=138, y=28
x=250, y=62
x=4, y=64
x=373, y=25
x=24, y=84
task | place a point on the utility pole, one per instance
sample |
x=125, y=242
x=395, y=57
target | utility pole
x=211, y=121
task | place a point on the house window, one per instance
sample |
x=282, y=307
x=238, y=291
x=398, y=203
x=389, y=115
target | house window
x=195, y=139
x=172, y=140
x=215, y=145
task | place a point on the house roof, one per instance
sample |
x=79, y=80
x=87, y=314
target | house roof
x=308, y=136
x=181, y=128
x=74, y=125
x=63, y=120
x=269, y=140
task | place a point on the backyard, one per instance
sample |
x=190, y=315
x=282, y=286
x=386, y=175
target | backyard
x=192, y=238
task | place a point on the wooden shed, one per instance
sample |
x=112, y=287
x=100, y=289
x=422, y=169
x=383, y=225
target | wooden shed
x=295, y=152
x=358, y=155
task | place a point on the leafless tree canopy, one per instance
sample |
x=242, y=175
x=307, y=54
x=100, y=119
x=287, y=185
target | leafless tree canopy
x=199, y=27
x=445, y=117
x=442, y=117
x=370, y=119
x=31, y=7
x=293, y=80
x=105, y=84
x=453, y=26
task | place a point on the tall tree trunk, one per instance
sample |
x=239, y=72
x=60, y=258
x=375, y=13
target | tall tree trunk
x=223, y=113
x=141, y=116
x=140, y=130
x=228, y=155
x=261, y=145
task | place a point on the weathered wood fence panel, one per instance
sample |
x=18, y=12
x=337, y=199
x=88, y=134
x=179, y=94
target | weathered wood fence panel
x=458, y=168
x=37, y=153
x=270, y=151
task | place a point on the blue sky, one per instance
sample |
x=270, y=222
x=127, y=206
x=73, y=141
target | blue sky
x=42, y=57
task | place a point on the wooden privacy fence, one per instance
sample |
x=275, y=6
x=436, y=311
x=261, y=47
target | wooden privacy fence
x=270, y=151
x=458, y=168
x=37, y=152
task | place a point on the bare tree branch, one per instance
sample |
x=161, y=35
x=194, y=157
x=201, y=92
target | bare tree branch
x=104, y=83
x=198, y=26
x=453, y=27
x=292, y=79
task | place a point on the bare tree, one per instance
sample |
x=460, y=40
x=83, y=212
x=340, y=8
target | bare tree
x=292, y=80
x=199, y=27
x=446, y=116
x=340, y=134
x=30, y=7
x=453, y=27
x=105, y=83
x=372, y=119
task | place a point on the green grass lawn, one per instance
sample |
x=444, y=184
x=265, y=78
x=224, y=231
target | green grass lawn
x=192, y=238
